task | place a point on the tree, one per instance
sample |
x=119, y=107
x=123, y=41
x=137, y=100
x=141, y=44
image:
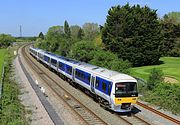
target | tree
x=54, y=38
x=80, y=34
x=155, y=78
x=91, y=30
x=172, y=17
x=110, y=61
x=74, y=31
x=41, y=35
x=171, y=35
x=67, y=30
x=133, y=33
x=83, y=51
x=6, y=40
x=168, y=37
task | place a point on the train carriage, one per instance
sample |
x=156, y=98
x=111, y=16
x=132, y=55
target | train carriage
x=113, y=90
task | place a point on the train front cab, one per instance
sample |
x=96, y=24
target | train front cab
x=124, y=96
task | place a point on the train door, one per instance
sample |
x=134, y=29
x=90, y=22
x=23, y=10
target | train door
x=73, y=73
x=92, y=83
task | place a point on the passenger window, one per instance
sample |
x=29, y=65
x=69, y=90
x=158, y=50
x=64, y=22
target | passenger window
x=76, y=73
x=97, y=84
x=79, y=74
x=104, y=86
x=88, y=78
x=69, y=69
x=109, y=88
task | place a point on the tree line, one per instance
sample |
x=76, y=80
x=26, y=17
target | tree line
x=132, y=33
x=81, y=43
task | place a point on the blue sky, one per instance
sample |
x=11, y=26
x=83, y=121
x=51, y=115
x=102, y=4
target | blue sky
x=38, y=15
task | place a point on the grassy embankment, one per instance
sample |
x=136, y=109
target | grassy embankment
x=170, y=68
x=2, y=53
x=12, y=112
x=166, y=96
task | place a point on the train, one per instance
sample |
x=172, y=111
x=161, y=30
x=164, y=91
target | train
x=112, y=90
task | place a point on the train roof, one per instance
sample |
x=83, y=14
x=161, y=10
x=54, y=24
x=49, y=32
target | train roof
x=113, y=75
x=36, y=49
x=63, y=58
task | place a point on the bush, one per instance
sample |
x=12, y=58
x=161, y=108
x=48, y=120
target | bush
x=6, y=40
x=110, y=61
x=83, y=51
x=155, y=78
x=165, y=95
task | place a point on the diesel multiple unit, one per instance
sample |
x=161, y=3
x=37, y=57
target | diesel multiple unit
x=113, y=90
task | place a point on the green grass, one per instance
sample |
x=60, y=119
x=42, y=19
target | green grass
x=170, y=68
x=2, y=55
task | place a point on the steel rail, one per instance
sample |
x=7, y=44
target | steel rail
x=159, y=113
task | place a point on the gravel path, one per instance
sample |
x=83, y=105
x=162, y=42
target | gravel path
x=36, y=113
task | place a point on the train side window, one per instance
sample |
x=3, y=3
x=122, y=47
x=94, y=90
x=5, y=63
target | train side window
x=76, y=73
x=54, y=62
x=104, y=86
x=97, y=83
x=109, y=88
x=89, y=78
x=82, y=75
x=69, y=70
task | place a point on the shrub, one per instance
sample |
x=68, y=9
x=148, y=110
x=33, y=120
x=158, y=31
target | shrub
x=155, y=78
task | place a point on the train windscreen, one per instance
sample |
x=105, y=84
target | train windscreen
x=126, y=89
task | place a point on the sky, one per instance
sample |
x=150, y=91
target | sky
x=37, y=16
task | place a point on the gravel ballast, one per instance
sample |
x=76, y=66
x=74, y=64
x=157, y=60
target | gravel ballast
x=37, y=114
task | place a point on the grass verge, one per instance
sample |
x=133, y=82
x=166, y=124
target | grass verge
x=12, y=112
x=2, y=54
x=170, y=67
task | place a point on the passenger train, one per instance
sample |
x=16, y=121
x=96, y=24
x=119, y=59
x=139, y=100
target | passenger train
x=113, y=90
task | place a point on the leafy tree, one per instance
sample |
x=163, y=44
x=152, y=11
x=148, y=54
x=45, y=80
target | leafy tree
x=6, y=40
x=91, y=30
x=172, y=17
x=171, y=37
x=80, y=34
x=83, y=51
x=74, y=31
x=110, y=61
x=155, y=78
x=133, y=33
x=54, y=38
x=41, y=35
x=98, y=40
x=168, y=38
x=67, y=30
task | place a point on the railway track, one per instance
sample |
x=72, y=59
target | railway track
x=84, y=113
x=134, y=120
x=159, y=113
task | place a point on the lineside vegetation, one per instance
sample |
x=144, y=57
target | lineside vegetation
x=2, y=54
x=12, y=112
